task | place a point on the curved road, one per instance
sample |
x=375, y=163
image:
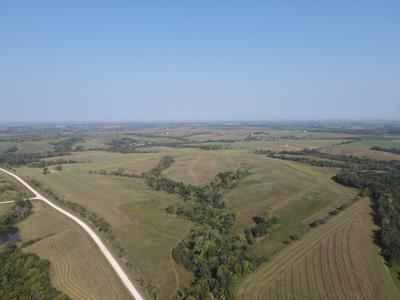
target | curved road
x=120, y=272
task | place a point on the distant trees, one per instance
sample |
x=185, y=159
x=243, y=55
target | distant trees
x=123, y=145
x=390, y=150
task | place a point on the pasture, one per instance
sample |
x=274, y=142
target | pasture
x=337, y=260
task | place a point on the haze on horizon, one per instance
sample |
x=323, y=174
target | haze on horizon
x=135, y=61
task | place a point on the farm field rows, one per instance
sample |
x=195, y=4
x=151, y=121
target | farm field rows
x=75, y=261
x=295, y=193
x=337, y=260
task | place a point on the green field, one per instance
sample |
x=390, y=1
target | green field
x=296, y=193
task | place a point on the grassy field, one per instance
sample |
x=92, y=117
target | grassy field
x=198, y=167
x=337, y=260
x=362, y=148
x=4, y=208
x=77, y=267
x=135, y=212
x=295, y=193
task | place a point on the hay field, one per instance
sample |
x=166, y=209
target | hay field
x=296, y=193
x=77, y=267
x=198, y=167
x=337, y=260
x=135, y=212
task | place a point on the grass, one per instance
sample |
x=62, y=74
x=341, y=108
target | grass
x=198, y=167
x=294, y=193
x=11, y=189
x=4, y=208
x=362, y=148
x=337, y=260
x=135, y=212
x=77, y=266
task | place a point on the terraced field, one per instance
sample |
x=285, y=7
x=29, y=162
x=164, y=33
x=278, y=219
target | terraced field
x=337, y=260
x=76, y=265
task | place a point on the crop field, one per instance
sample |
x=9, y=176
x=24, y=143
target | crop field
x=337, y=260
x=135, y=212
x=77, y=267
x=296, y=193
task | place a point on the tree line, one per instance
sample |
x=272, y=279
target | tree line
x=390, y=150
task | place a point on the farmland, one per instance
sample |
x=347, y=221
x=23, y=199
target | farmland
x=106, y=170
x=335, y=261
x=74, y=258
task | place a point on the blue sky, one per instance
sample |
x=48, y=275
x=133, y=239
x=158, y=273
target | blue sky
x=199, y=60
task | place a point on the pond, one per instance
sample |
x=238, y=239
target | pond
x=10, y=236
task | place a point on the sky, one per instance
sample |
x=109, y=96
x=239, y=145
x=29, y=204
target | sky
x=134, y=61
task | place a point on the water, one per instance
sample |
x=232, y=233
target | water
x=9, y=236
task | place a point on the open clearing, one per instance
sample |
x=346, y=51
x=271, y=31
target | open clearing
x=77, y=266
x=337, y=260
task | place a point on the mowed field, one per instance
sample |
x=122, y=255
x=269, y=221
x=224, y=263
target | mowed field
x=297, y=194
x=199, y=167
x=135, y=212
x=77, y=267
x=337, y=260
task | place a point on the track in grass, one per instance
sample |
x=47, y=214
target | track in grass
x=334, y=261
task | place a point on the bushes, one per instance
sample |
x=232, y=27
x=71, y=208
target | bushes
x=21, y=209
x=317, y=223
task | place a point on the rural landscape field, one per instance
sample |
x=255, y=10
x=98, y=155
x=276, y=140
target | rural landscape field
x=246, y=211
x=199, y=150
